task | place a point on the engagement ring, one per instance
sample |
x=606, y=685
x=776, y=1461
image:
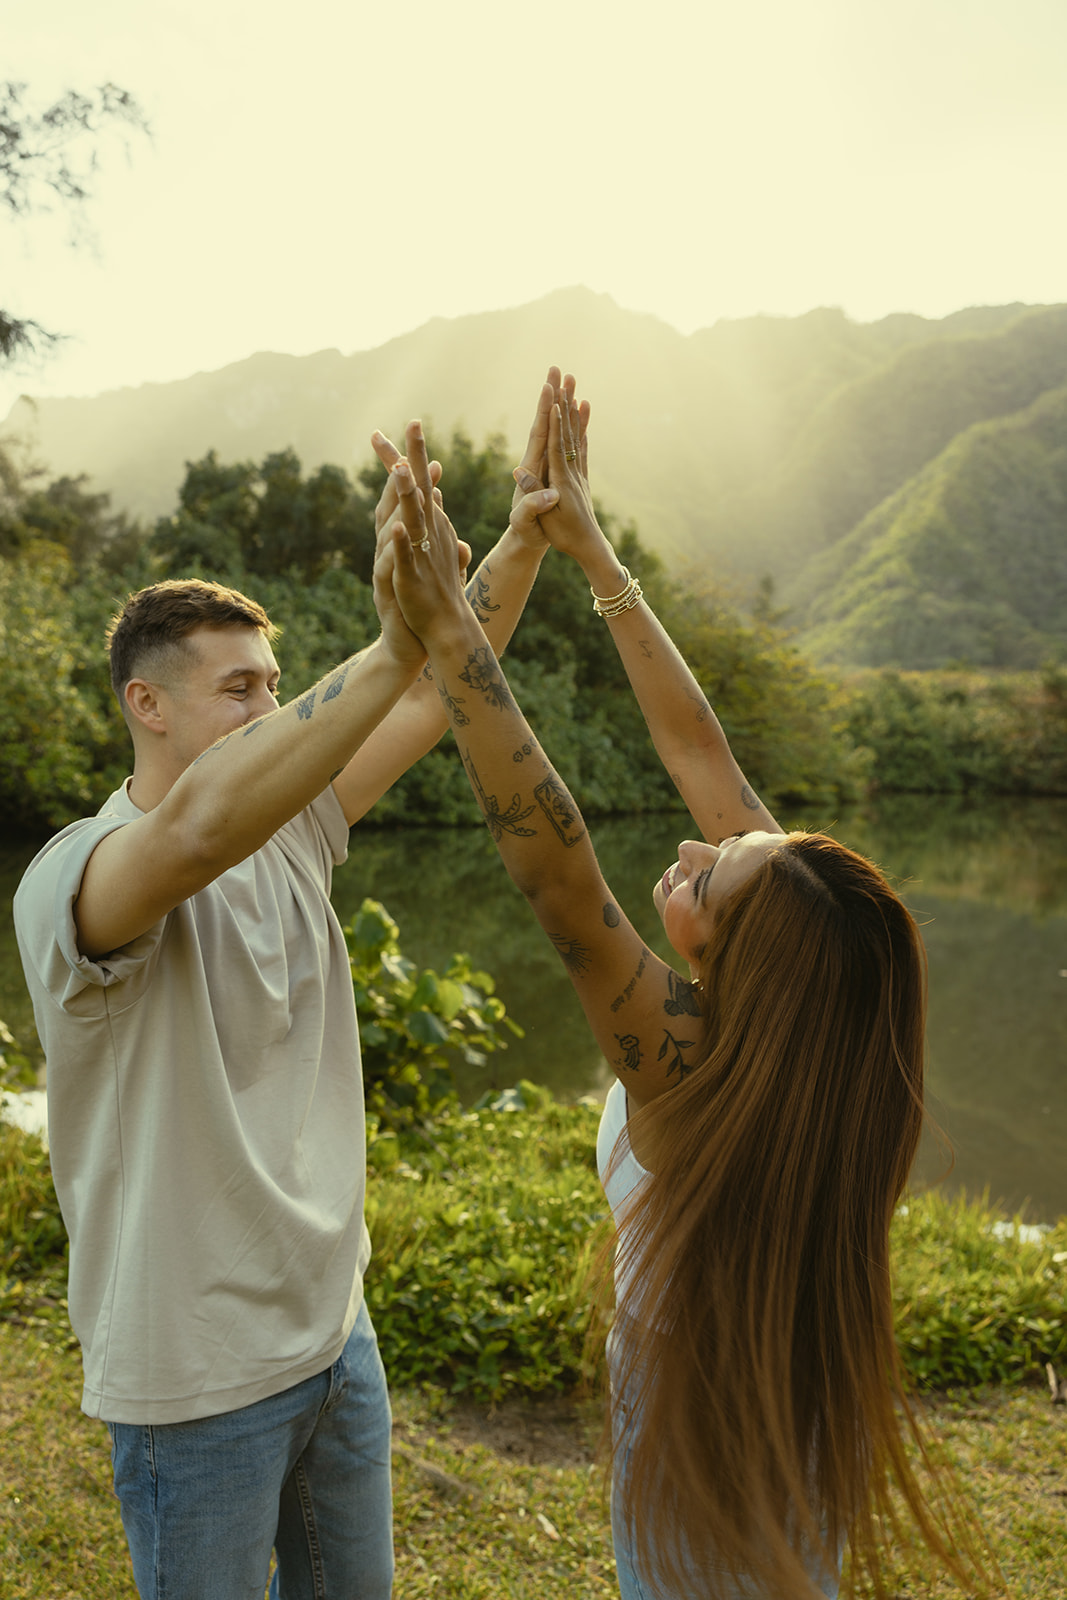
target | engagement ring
x=424, y=546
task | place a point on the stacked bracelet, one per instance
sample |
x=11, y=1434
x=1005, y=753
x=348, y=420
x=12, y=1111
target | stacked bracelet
x=616, y=604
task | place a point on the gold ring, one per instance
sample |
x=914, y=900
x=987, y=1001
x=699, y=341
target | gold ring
x=424, y=546
x=572, y=455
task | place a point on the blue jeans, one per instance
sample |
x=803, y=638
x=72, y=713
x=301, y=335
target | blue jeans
x=305, y=1473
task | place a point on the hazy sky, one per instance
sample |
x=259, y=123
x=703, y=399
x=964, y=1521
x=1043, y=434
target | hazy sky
x=328, y=174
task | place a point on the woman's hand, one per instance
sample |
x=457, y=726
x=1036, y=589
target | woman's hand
x=572, y=527
x=531, y=474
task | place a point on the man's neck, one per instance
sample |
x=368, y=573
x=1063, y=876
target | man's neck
x=148, y=786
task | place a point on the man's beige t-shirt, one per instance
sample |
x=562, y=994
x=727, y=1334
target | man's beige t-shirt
x=206, y=1124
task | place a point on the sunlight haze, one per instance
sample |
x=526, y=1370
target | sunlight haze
x=332, y=176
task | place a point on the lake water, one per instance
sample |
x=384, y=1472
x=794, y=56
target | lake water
x=988, y=885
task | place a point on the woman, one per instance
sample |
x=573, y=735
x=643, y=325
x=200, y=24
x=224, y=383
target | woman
x=766, y=1111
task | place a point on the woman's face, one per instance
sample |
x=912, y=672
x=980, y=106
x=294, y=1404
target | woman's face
x=689, y=892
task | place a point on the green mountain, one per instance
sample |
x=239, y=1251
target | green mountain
x=872, y=435
x=830, y=454
x=967, y=562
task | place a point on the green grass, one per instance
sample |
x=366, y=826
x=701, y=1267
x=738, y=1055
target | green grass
x=471, y=1523
x=492, y=1211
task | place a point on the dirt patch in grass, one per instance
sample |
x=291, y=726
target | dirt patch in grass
x=539, y=1430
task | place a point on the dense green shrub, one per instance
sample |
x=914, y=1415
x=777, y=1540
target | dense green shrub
x=300, y=546
x=33, y=1243
x=413, y=1025
x=482, y=1242
x=962, y=732
x=485, y=1223
x=978, y=1299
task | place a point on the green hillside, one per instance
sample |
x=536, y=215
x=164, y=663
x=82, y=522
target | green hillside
x=871, y=436
x=966, y=563
x=876, y=471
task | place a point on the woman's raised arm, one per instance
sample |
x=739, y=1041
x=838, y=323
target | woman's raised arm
x=642, y=1013
x=685, y=730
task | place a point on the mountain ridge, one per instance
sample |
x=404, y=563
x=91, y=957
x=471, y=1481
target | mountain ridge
x=756, y=445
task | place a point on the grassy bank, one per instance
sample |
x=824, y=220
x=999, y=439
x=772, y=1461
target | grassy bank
x=483, y=1227
x=487, y=1508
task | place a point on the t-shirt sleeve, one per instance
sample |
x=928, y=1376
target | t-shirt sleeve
x=318, y=835
x=44, y=921
x=332, y=822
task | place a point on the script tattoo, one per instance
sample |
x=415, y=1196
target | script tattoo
x=336, y=684
x=681, y=1001
x=483, y=674
x=478, y=595
x=631, y=1051
x=748, y=799
x=621, y=999
x=252, y=726
x=500, y=822
x=646, y=649
x=671, y=1051
x=574, y=954
x=305, y=705
x=611, y=916
x=560, y=810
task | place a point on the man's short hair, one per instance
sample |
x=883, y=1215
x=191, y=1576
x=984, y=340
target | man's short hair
x=147, y=637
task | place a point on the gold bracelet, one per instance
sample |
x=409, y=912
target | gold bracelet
x=614, y=605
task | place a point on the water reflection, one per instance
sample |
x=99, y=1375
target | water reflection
x=988, y=884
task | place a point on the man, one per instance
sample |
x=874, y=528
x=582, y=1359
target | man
x=193, y=996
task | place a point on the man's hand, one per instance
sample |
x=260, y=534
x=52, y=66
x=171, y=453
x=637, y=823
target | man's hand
x=397, y=635
x=425, y=573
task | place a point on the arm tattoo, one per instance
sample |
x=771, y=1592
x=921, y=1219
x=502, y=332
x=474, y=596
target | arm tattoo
x=336, y=683
x=702, y=704
x=671, y=1051
x=252, y=726
x=621, y=999
x=500, y=822
x=560, y=810
x=749, y=800
x=305, y=705
x=484, y=674
x=681, y=999
x=646, y=649
x=524, y=750
x=573, y=954
x=427, y=673
x=611, y=916
x=631, y=1051
x=211, y=748
x=453, y=708
x=478, y=595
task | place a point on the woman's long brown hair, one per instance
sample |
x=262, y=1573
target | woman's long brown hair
x=758, y=1345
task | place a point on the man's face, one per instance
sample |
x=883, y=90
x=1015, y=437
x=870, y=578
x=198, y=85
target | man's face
x=228, y=677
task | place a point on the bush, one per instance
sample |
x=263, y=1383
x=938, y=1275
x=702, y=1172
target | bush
x=482, y=1243
x=413, y=1024
x=485, y=1223
x=978, y=1299
x=33, y=1241
x=962, y=732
